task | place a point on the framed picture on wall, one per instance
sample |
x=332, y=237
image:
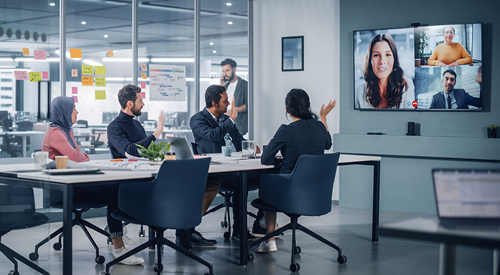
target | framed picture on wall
x=292, y=53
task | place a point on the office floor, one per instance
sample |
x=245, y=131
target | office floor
x=349, y=228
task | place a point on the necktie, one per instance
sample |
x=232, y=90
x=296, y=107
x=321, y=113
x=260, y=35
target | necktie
x=449, y=102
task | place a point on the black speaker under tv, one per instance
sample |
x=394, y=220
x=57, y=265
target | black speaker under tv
x=436, y=67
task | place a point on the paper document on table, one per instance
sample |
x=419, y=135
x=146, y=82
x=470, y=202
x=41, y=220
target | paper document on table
x=222, y=160
x=105, y=165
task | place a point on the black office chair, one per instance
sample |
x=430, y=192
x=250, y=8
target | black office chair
x=307, y=191
x=25, y=126
x=55, y=200
x=14, y=143
x=173, y=200
x=82, y=123
x=17, y=211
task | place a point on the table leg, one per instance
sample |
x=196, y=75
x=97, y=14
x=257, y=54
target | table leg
x=376, y=200
x=24, y=146
x=496, y=261
x=67, y=229
x=242, y=193
x=447, y=254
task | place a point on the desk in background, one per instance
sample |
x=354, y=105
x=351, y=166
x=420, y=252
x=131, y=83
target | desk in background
x=24, y=135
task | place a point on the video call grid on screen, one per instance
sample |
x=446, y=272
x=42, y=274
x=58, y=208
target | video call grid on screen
x=425, y=79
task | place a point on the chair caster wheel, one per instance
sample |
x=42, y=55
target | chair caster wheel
x=223, y=224
x=13, y=272
x=250, y=257
x=342, y=259
x=57, y=246
x=99, y=259
x=34, y=256
x=158, y=267
x=294, y=267
x=227, y=235
x=297, y=250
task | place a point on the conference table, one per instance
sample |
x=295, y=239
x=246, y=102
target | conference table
x=233, y=167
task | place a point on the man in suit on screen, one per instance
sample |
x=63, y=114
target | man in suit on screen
x=451, y=98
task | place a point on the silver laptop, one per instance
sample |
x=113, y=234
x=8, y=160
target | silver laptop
x=467, y=197
x=180, y=147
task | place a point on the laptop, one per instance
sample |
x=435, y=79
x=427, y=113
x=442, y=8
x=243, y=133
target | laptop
x=467, y=198
x=180, y=147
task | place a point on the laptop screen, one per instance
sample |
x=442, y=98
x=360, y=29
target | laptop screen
x=467, y=193
x=181, y=148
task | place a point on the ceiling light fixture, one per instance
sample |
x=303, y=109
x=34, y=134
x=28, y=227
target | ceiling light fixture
x=214, y=51
x=229, y=4
x=106, y=36
x=173, y=60
x=211, y=43
x=52, y=4
x=117, y=59
x=229, y=22
x=83, y=22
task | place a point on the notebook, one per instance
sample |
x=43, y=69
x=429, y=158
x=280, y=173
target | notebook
x=180, y=147
x=467, y=198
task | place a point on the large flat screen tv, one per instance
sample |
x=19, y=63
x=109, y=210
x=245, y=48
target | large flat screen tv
x=419, y=68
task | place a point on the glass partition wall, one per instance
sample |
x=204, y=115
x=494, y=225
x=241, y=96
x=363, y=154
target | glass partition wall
x=99, y=61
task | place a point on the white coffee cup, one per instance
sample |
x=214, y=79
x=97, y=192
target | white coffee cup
x=40, y=158
x=226, y=151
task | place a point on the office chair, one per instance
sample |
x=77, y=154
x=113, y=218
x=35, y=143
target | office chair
x=55, y=200
x=173, y=200
x=307, y=191
x=17, y=211
x=82, y=123
x=25, y=126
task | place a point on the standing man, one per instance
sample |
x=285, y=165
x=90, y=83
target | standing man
x=236, y=88
x=210, y=126
x=451, y=98
x=124, y=132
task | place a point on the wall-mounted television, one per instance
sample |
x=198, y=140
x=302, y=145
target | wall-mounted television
x=435, y=67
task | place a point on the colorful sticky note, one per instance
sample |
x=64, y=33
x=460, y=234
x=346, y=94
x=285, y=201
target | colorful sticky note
x=100, y=81
x=74, y=90
x=100, y=70
x=87, y=69
x=21, y=75
x=26, y=51
x=110, y=53
x=143, y=85
x=74, y=72
x=143, y=94
x=45, y=75
x=87, y=81
x=100, y=94
x=144, y=67
x=144, y=76
x=76, y=99
x=40, y=55
x=35, y=76
x=75, y=53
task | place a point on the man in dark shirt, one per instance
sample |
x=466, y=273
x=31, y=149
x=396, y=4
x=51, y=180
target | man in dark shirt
x=451, y=98
x=124, y=132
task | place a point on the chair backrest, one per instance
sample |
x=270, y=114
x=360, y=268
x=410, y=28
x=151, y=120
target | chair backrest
x=16, y=205
x=173, y=199
x=307, y=190
x=25, y=126
x=82, y=123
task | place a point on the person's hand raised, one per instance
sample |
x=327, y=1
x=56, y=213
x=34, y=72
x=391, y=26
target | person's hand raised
x=233, y=111
x=159, y=125
x=326, y=110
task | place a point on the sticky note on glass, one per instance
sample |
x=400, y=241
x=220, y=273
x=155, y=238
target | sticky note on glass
x=100, y=70
x=40, y=54
x=74, y=90
x=74, y=72
x=143, y=94
x=45, y=75
x=143, y=85
x=144, y=76
x=87, y=69
x=100, y=81
x=26, y=51
x=75, y=53
x=87, y=81
x=76, y=99
x=100, y=94
x=144, y=67
x=21, y=75
x=35, y=76
x=110, y=53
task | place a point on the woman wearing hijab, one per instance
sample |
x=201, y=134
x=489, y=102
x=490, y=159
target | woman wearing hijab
x=59, y=141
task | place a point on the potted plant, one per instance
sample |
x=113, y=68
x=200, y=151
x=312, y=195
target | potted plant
x=492, y=130
x=154, y=152
x=421, y=42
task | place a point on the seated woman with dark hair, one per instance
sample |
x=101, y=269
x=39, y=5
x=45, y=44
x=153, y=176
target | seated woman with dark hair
x=305, y=135
x=59, y=141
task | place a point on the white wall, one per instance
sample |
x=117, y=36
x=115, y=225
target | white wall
x=318, y=21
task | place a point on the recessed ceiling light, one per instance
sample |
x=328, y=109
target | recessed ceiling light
x=211, y=43
x=214, y=51
x=229, y=4
x=105, y=36
x=52, y=4
x=83, y=22
x=229, y=22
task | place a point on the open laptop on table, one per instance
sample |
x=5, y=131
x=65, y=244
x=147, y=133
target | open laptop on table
x=467, y=198
x=180, y=147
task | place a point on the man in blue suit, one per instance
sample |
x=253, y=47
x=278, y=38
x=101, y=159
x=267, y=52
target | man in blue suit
x=451, y=98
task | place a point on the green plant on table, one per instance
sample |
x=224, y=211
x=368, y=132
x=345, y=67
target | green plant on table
x=154, y=152
x=492, y=126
